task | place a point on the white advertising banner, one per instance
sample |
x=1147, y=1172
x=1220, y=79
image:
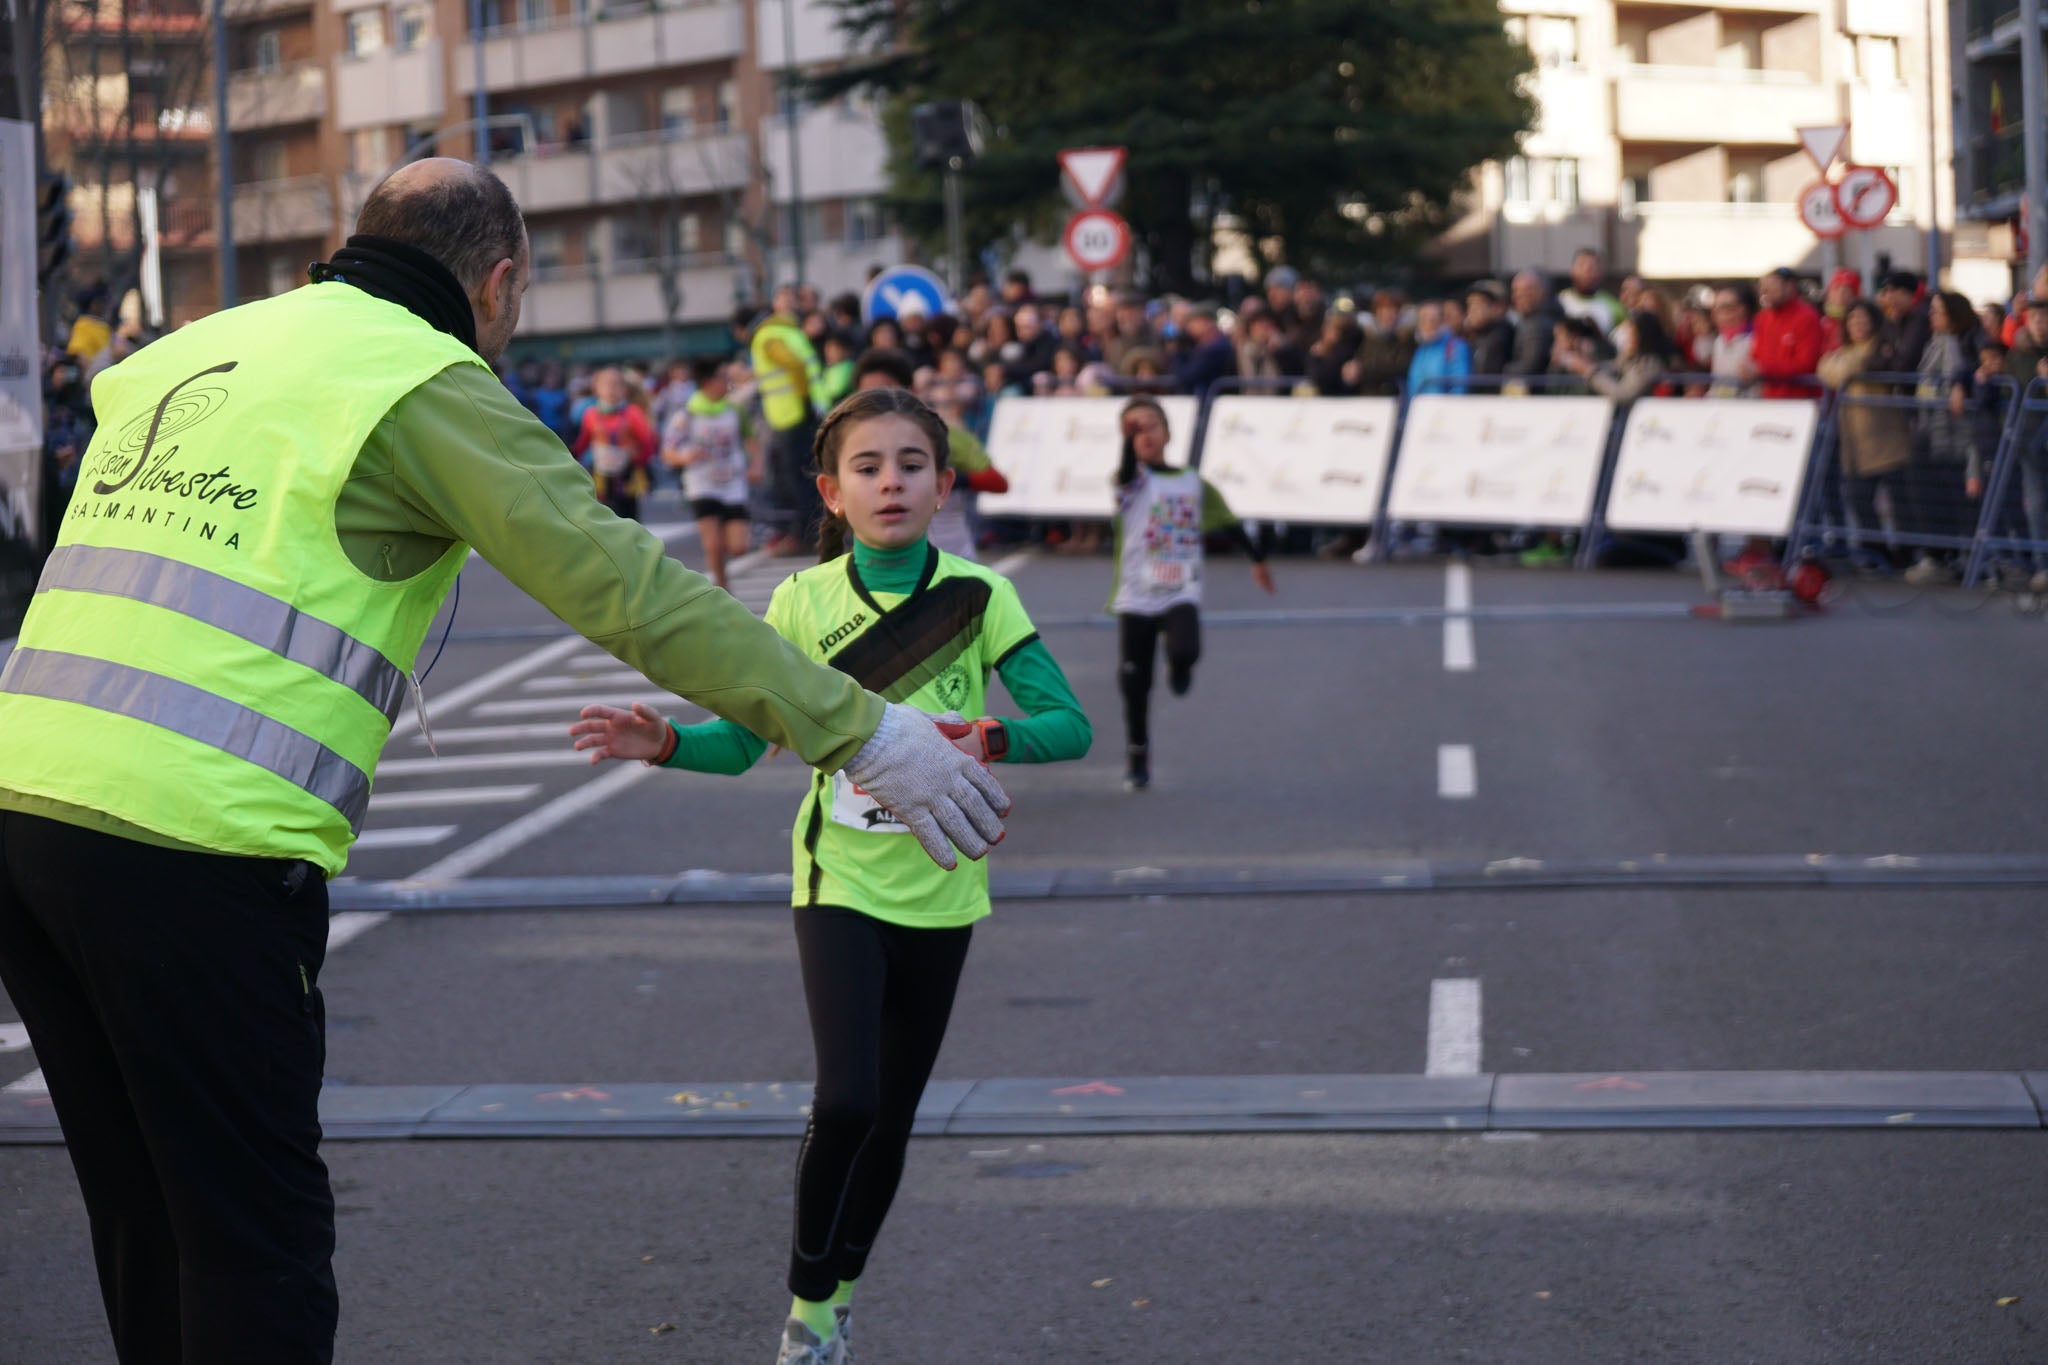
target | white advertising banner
x=1060, y=454
x=1489, y=460
x=1734, y=465
x=1309, y=460
x=21, y=394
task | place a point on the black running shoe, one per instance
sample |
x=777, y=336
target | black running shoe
x=1137, y=769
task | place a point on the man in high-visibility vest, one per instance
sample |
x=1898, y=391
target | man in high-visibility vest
x=274, y=506
x=789, y=379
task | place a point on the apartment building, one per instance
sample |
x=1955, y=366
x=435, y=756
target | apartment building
x=645, y=140
x=1990, y=165
x=1667, y=136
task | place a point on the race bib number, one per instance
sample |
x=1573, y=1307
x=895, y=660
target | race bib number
x=855, y=809
x=1167, y=575
x=607, y=458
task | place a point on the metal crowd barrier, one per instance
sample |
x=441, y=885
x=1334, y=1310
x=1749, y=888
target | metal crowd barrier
x=2013, y=528
x=1891, y=473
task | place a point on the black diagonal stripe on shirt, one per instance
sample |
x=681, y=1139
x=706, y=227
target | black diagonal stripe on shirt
x=913, y=642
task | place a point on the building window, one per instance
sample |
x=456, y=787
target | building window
x=420, y=140
x=415, y=26
x=736, y=239
x=268, y=161
x=285, y=274
x=1552, y=39
x=679, y=111
x=536, y=13
x=1743, y=188
x=1515, y=180
x=365, y=32
x=368, y=151
x=864, y=222
x=728, y=104
x=269, y=50
x=1565, y=182
x=550, y=247
x=689, y=234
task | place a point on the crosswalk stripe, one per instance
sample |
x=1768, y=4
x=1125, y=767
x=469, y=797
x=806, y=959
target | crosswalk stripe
x=567, y=707
x=450, y=796
x=410, y=836
x=477, y=763
x=495, y=734
x=585, y=683
x=31, y=1084
x=13, y=1037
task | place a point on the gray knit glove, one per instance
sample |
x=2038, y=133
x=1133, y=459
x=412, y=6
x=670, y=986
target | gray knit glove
x=946, y=798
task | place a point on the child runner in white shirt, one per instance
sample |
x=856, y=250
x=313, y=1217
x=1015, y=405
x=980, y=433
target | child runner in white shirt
x=703, y=439
x=882, y=931
x=1162, y=514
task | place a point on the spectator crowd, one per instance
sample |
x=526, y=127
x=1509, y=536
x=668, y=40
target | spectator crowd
x=1927, y=378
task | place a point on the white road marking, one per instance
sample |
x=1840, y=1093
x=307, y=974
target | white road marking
x=1453, y=1027
x=351, y=924
x=31, y=1084
x=586, y=682
x=533, y=824
x=487, y=683
x=1458, y=656
x=482, y=763
x=1010, y=563
x=1458, y=652
x=13, y=1037
x=1457, y=586
x=406, y=836
x=567, y=707
x=1457, y=773
x=495, y=734
x=451, y=796
x=590, y=662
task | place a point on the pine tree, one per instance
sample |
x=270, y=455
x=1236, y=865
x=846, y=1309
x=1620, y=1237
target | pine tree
x=1345, y=128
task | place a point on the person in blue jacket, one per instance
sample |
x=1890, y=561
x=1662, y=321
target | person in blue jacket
x=1441, y=355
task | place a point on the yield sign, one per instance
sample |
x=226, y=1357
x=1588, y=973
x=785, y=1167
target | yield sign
x=1824, y=143
x=1092, y=172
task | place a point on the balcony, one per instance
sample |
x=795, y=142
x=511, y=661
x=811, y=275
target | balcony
x=626, y=294
x=388, y=87
x=1990, y=26
x=247, y=11
x=138, y=20
x=615, y=43
x=1705, y=105
x=844, y=154
x=1739, y=241
x=642, y=165
x=274, y=98
x=1997, y=174
x=283, y=211
x=842, y=267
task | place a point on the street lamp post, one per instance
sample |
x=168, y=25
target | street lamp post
x=789, y=111
x=2034, y=144
x=223, y=155
x=482, y=99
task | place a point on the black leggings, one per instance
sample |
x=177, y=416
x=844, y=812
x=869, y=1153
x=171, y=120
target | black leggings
x=1139, y=635
x=879, y=997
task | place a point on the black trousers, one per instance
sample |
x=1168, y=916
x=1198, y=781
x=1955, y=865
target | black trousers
x=1138, y=640
x=879, y=996
x=792, y=475
x=173, y=1002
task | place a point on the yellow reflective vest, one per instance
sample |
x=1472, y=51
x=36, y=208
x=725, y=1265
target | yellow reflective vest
x=201, y=659
x=784, y=402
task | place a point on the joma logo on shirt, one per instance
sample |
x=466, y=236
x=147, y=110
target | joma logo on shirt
x=860, y=618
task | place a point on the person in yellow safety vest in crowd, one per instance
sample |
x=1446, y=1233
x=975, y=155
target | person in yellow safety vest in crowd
x=275, y=504
x=789, y=377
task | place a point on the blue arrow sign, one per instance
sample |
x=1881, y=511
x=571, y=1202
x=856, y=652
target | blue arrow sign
x=890, y=293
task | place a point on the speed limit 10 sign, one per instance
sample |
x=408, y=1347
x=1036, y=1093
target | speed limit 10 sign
x=1097, y=240
x=1819, y=210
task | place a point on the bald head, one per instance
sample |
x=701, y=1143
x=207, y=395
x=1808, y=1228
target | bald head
x=461, y=215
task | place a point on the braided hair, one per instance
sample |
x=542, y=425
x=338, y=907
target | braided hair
x=855, y=408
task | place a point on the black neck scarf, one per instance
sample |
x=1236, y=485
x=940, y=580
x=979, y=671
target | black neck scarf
x=404, y=275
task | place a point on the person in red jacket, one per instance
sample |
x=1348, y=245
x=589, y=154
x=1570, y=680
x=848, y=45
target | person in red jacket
x=1787, y=339
x=616, y=441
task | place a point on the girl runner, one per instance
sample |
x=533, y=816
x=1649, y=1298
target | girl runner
x=1162, y=514
x=703, y=439
x=881, y=931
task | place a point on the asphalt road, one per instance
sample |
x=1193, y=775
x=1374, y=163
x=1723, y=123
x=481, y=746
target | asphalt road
x=1600, y=722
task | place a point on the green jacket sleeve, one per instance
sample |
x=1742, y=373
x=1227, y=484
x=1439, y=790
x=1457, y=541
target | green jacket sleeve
x=470, y=464
x=716, y=746
x=1216, y=513
x=1054, y=727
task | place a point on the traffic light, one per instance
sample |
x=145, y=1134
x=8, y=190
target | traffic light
x=53, y=226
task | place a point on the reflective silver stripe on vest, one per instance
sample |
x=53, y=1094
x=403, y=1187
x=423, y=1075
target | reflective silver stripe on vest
x=265, y=621
x=196, y=714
